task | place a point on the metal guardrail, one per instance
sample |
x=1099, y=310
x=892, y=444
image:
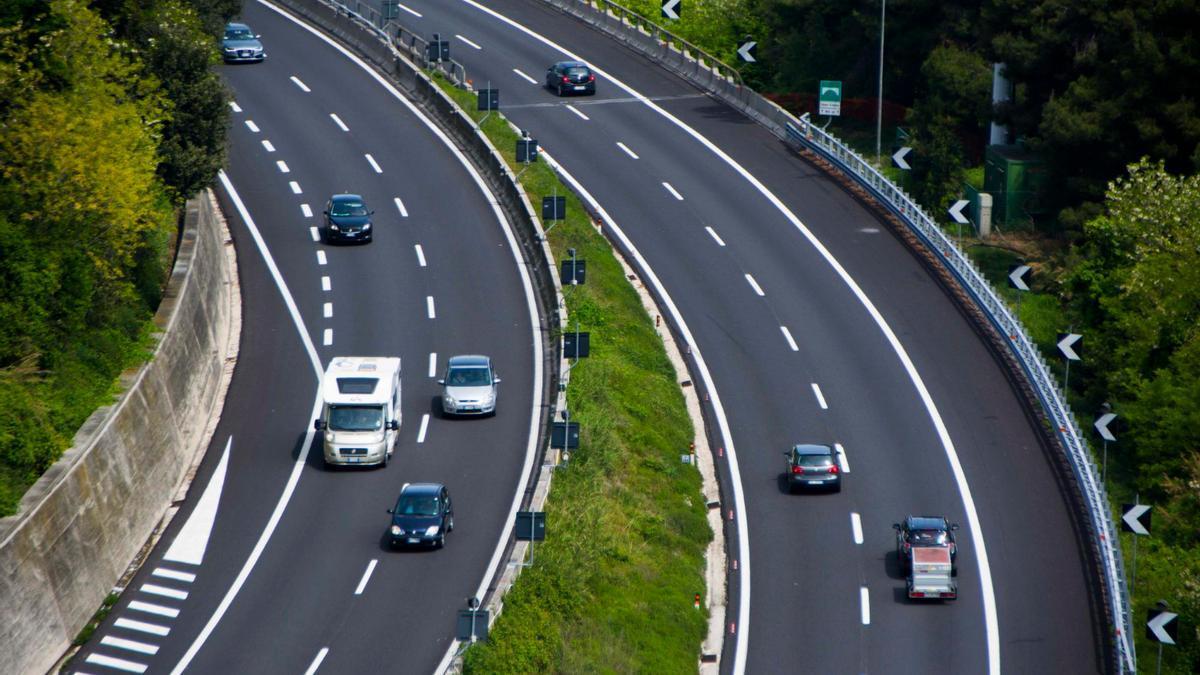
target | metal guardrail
x=723, y=81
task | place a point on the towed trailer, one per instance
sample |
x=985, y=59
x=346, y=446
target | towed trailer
x=931, y=574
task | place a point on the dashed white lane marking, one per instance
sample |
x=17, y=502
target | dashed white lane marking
x=420, y=255
x=164, y=591
x=866, y=606
x=424, y=428
x=131, y=645
x=306, y=210
x=192, y=539
x=373, y=163
x=312, y=668
x=429, y=306
x=295, y=188
x=719, y=240
x=142, y=626
x=303, y=87
x=400, y=207
x=327, y=310
x=119, y=664
x=326, y=284
x=410, y=10
x=252, y=126
x=316, y=234
x=173, y=574
x=338, y=121
x=151, y=608
x=469, y=43
x=327, y=338
x=577, y=111
x=527, y=78
x=362, y=583
x=754, y=284
x=432, y=364
x=267, y=145
x=321, y=257
x=673, y=191
x=628, y=151
x=283, y=167
x=843, y=462
x=236, y=108
x=790, y=340
x=856, y=527
x=820, y=396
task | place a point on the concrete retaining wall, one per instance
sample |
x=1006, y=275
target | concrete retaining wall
x=82, y=523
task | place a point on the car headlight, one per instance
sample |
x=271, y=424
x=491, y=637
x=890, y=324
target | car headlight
x=449, y=400
x=433, y=529
x=366, y=227
x=397, y=530
x=333, y=227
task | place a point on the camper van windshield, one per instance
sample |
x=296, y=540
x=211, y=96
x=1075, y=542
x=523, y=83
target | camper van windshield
x=355, y=417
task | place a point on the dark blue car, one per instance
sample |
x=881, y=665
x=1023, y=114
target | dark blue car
x=347, y=218
x=422, y=516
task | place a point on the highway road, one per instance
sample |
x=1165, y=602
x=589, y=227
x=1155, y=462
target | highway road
x=295, y=572
x=816, y=324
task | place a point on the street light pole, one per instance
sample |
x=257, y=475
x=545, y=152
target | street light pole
x=879, y=97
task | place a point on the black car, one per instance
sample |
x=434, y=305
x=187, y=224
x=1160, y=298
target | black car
x=925, y=531
x=241, y=44
x=422, y=516
x=812, y=466
x=571, y=77
x=347, y=218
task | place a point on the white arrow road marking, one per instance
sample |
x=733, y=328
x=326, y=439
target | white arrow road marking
x=338, y=121
x=956, y=211
x=1133, y=516
x=856, y=527
x=252, y=126
x=866, y=605
x=424, y=428
x=787, y=334
x=1017, y=277
x=527, y=78
x=469, y=43
x=898, y=158
x=119, y=664
x=267, y=145
x=627, y=150
x=1067, y=346
x=312, y=668
x=303, y=87
x=306, y=210
x=744, y=51
x=843, y=461
x=673, y=191
x=131, y=645
x=1158, y=626
x=362, y=584
x=754, y=284
x=1102, y=426
x=150, y=608
x=192, y=539
x=577, y=112
x=720, y=242
x=820, y=396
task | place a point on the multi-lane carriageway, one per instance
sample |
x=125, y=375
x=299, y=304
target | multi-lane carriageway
x=814, y=324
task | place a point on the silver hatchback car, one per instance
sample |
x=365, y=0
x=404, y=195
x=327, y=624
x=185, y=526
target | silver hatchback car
x=469, y=387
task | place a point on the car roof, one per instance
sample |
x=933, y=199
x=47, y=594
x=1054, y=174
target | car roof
x=469, y=360
x=571, y=64
x=346, y=197
x=810, y=449
x=236, y=26
x=926, y=523
x=421, y=489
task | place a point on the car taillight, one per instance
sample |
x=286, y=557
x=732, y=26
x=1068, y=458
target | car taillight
x=591, y=78
x=949, y=595
x=833, y=469
x=907, y=546
x=797, y=469
x=917, y=594
x=566, y=79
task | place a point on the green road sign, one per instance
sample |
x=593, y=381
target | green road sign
x=829, y=101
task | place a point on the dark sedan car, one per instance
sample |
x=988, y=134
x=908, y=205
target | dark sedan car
x=571, y=77
x=812, y=466
x=347, y=218
x=241, y=44
x=422, y=517
x=917, y=531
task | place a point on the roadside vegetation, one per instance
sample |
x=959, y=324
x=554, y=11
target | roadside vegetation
x=111, y=114
x=626, y=527
x=1101, y=94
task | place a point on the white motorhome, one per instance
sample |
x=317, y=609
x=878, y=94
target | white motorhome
x=360, y=418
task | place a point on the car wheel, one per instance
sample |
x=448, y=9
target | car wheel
x=450, y=525
x=560, y=90
x=441, y=542
x=386, y=456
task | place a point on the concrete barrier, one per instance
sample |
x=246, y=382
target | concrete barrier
x=82, y=523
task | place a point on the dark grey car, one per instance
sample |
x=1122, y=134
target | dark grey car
x=571, y=77
x=347, y=218
x=240, y=44
x=813, y=466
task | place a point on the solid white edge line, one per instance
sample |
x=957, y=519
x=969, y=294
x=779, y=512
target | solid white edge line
x=468, y=42
x=303, y=87
x=754, y=284
x=856, y=527
x=536, y=341
x=373, y=163
x=719, y=240
x=400, y=207
x=430, y=309
x=865, y=599
x=790, y=340
x=820, y=397
x=424, y=428
x=575, y=110
x=410, y=10
x=316, y=663
x=843, y=461
x=327, y=310
x=420, y=255
x=433, y=364
x=118, y=664
x=527, y=78
x=987, y=589
x=131, y=645
x=306, y=210
x=338, y=121
x=301, y=458
x=629, y=152
x=362, y=583
x=673, y=191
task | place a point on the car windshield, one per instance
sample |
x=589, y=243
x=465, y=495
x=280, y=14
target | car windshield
x=238, y=34
x=468, y=377
x=928, y=537
x=417, y=505
x=815, y=460
x=348, y=209
x=577, y=71
x=355, y=417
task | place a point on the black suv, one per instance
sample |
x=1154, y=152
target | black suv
x=925, y=531
x=571, y=77
x=422, y=516
x=347, y=218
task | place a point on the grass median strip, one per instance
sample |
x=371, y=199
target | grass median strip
x=614, y=581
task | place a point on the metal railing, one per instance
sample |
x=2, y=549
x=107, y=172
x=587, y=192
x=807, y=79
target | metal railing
x=721, y=80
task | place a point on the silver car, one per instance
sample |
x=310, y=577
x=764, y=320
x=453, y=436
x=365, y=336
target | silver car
x=469, y=387
x=241, y=44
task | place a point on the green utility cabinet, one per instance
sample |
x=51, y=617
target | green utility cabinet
x=1016, y=179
